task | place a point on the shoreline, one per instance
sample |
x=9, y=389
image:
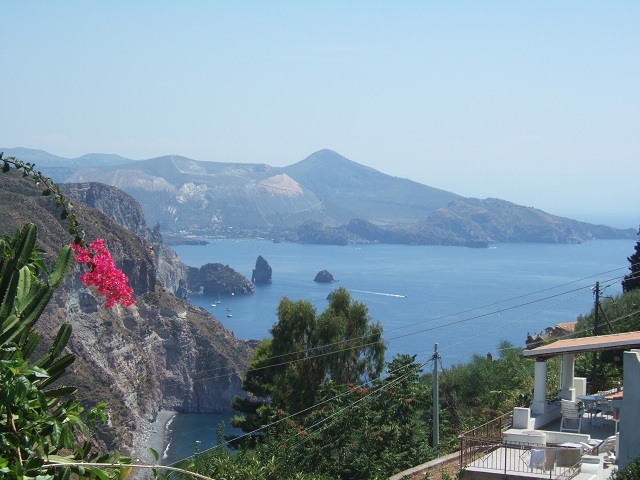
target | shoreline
x=158, y=439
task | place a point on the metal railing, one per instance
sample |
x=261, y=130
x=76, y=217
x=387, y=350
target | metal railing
x=555, y=463
x=479, y=441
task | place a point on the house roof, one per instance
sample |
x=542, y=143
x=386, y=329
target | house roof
x=616, y=341
x=567, y=326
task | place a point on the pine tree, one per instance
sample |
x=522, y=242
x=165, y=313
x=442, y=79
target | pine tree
x=632, y=281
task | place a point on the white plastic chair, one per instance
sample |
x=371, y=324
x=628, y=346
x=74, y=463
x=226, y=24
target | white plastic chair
x=606, y=446
x=570, y=414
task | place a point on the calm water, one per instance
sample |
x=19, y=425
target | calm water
x=464, y=299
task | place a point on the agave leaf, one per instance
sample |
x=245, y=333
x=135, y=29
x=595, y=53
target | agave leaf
x=61, y=392
x=63, y=263
x=57, y=369
x=26, y=244
x=30, y=345
x=61, y=340
x=9, y=298
x=24, y=285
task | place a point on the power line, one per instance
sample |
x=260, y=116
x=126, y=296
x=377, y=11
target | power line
x=317, y=405
x=494, y=312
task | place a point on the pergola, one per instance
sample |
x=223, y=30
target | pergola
x=568, y=350
x=629, y=434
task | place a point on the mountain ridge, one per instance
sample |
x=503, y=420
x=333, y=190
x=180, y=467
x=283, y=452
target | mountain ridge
x=324, y=190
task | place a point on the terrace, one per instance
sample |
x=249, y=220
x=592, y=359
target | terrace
x=536, y=443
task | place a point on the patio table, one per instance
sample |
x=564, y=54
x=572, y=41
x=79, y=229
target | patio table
x=591, y=404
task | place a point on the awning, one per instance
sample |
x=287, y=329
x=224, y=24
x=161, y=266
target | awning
x=616, y=341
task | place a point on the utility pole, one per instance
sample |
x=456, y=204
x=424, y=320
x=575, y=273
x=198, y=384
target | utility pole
x=436, y=401
x=594, y=369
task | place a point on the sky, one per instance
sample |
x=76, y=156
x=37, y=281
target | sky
x=535, y=102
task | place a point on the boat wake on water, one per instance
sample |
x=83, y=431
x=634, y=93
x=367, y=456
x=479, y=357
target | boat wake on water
x=380, y=293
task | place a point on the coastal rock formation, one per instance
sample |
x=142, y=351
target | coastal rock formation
x=262, y=273
x=217, y=278
x=323, y=276
x=158, y=354
x=123, y=209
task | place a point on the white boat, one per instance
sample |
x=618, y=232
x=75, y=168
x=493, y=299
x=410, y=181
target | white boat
x=229, y=315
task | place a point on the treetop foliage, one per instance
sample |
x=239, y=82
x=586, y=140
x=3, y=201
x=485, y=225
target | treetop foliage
x=632, y=280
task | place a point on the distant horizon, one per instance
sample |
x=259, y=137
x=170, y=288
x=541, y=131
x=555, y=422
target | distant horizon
x=534, y=102
x=615, y=220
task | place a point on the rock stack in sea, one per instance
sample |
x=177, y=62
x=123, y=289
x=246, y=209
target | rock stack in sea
x=262, y=272
x=323, y=276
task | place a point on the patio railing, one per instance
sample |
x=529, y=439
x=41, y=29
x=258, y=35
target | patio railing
x=475, y=443
x=555, y=463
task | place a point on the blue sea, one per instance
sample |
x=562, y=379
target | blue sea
x=464, y=299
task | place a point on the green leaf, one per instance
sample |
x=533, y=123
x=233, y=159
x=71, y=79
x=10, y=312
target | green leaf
x=155, y=454
x=61, y=392
x=36, y=371
x=99, y=473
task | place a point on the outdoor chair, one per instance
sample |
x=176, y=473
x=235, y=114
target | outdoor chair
x=605, y=406
x=606, y=446
x=570, y=415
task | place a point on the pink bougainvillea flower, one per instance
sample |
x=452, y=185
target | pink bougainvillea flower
x=103, y=273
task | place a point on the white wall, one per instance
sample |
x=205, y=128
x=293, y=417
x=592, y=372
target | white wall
x=629, y=440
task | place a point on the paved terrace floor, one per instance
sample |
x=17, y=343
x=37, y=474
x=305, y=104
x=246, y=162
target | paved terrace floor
x=598, y=428
x=518, y=462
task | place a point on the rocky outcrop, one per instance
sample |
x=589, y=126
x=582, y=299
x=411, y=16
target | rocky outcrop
x=218, y=278
x=262, y=273
x=117, y=205
x=315, y=232
x=127, y=212
x=162, y=353
x=323, y=276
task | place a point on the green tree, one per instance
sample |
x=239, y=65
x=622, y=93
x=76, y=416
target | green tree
x=484, y=388
x=632, y=280
x=630, y=472
x=365, y=431
x=287, y=371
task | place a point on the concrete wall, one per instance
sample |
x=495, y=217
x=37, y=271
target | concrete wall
x=629, y=446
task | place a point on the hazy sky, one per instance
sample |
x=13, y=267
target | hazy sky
x=536, y=102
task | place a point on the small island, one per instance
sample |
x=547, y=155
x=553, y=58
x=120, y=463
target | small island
x=323, y=276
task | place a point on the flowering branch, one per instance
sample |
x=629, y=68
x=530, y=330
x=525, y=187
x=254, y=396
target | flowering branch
x=103, y=273
x=66, y=207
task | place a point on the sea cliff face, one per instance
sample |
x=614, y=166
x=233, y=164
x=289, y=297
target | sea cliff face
x=162, y=353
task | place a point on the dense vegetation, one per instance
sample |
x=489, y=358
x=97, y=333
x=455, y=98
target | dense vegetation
x=632, y=280
x=373, y=430
x=318, y=386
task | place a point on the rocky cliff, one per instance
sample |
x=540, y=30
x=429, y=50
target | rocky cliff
x=262, y=273
x=162, y=353
x=123, y=209
x=217, y=278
